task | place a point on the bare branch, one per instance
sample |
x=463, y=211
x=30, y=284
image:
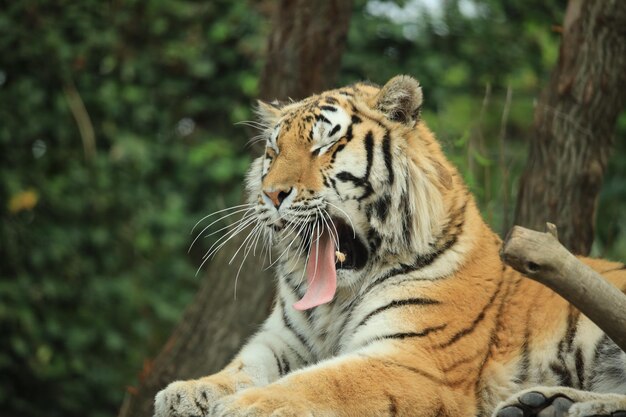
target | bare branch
x=83, y=121
x=541, y=257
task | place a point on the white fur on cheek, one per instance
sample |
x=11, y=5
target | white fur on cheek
x=254, y=179
x=427, y=208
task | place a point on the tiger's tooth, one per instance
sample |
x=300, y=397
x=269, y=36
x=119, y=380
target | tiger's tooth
x=340, y=256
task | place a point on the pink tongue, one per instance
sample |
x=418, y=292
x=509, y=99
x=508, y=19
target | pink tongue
x=322, y=279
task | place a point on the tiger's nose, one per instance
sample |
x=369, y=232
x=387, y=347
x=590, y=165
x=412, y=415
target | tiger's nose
x=277, y=197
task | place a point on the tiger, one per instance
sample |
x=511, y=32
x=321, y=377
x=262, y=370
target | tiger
x=391, y=297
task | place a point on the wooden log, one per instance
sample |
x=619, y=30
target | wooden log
x=541, y=257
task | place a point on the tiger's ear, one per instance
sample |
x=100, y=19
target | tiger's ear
x=400, y=100
x=268, y=113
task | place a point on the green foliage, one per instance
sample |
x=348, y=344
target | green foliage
x=94, y=265
x=610, y=239
x=94, y=268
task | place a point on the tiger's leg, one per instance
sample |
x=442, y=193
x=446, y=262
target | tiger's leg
x=354, y=385
x=562, y=402
x=273, y=352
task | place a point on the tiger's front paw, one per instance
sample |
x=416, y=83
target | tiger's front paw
x=273, y=401
x=188, y=398
x=562, y=402
x=535, y=404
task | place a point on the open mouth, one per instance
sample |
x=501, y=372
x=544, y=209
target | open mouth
x=333, y=248
x=351, y=253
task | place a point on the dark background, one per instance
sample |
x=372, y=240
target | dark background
x=118, y=133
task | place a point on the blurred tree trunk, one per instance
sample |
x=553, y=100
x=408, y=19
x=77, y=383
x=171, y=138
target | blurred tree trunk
x=575, y=122
x=305, y=48
x=303, y=57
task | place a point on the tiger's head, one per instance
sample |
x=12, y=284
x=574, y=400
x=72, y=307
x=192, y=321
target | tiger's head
x=351, y=181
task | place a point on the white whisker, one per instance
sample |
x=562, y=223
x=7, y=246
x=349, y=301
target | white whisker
x=334, y=227
x=227, y=236
x=283, y=252
x=250, y=234
x=257, y=229
x=334, y=237
x=299, y=226
x=308, y=255
x=218, y=212
x=303, y=232
x=346, y=214
x=216, y=221
x=318, y=234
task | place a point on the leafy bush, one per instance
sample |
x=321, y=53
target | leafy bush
x=116, y=136
x=93, y=240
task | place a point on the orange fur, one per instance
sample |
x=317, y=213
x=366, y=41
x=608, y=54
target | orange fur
x=485, y=319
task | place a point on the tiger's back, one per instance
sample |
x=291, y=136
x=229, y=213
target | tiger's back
x=391, y=297
x=544, y=340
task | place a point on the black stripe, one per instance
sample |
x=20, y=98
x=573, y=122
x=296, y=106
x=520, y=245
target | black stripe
x=333, y=183
x=396, y=304
x=600, y=356
x=420, y=262
x=334, y=130
x=454, y=223
x=382, y=206
x=286, y=364
x=345, y=176
x=363, y=182
x=407, y=217
x=278, y=364
x=369, y=148
x=419, y=372
x=462, y=361
x=406, y=335
x=387, y=156
x=295, y=352
x=338, y=149
x=289, y=325
x=406, y=367
x=368, y=191
x=328, y=108
x=323, y=119
x=481, y=316
x=580, y=368
x=564, y=347
x=349, y=134
x=393, y=405
x=202, y=408
x=369, y=209
x=493, y=339
x=564, y=377
x=524, y=363
x=293, y=282
x=572, y=324
x=374, y=239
